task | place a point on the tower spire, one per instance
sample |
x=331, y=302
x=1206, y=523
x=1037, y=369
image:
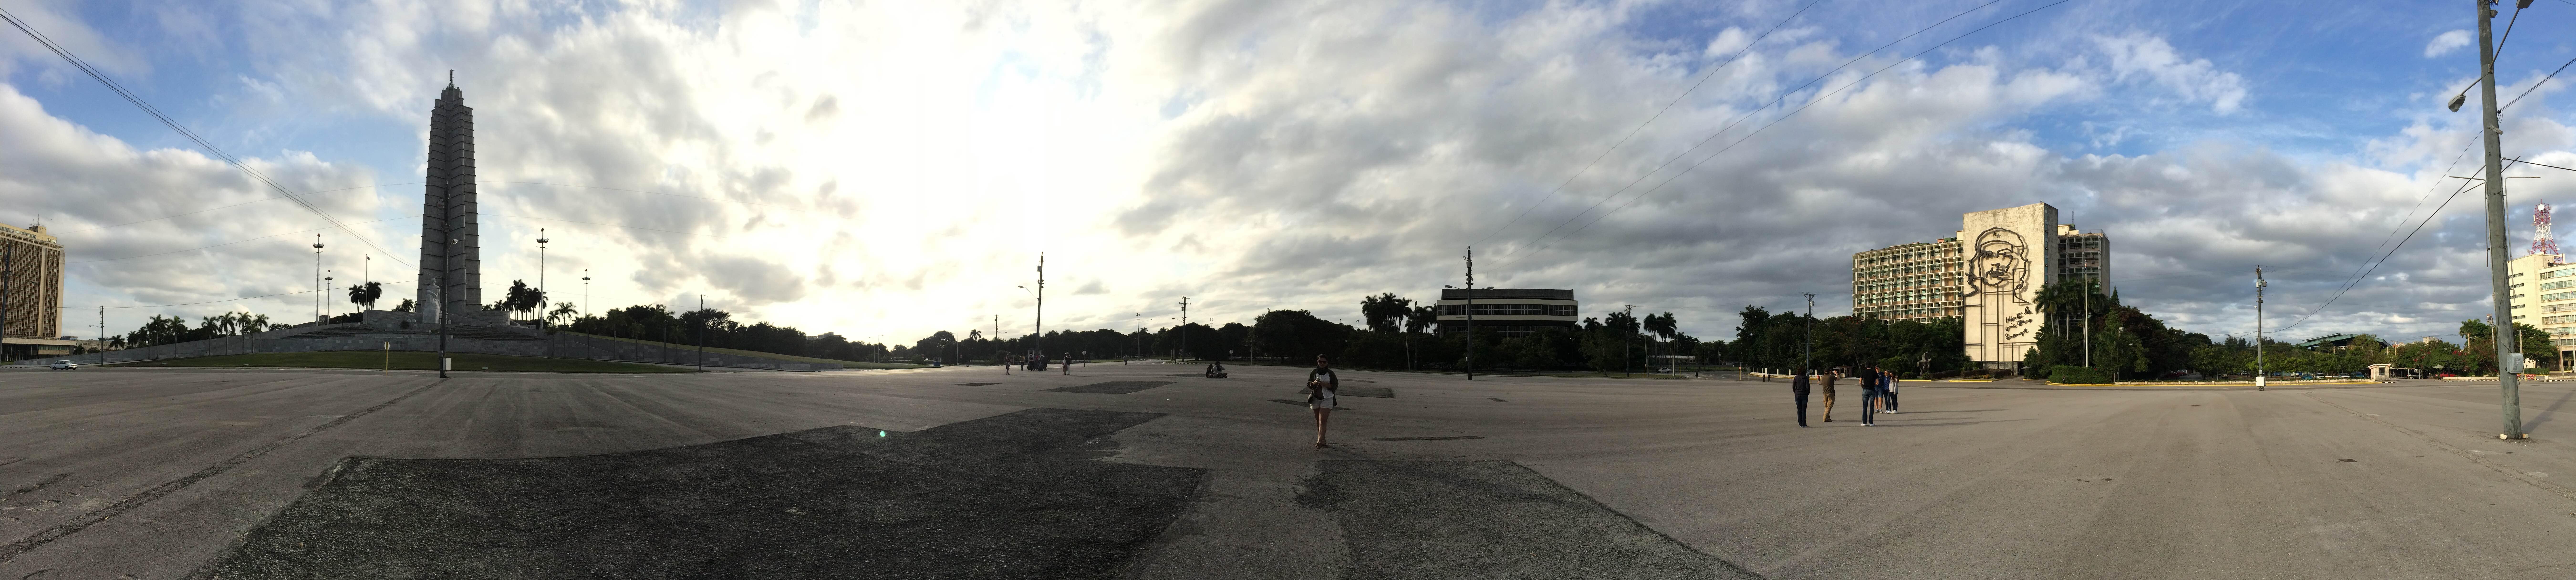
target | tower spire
x=2541, y=244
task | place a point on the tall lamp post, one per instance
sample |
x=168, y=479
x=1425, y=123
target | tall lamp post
x=326, y=291
x=1807, y=343
x=318, y=320
x=541, y=276
x=585, y=292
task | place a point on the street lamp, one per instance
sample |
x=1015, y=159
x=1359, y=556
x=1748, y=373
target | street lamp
x=585, y=292
x=326, y=292
x=541, y=276
x=317, y=281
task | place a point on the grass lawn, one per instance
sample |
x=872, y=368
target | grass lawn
x=844, y=363
x=408, y=360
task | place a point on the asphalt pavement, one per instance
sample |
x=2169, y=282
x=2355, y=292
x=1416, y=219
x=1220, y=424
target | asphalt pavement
x=248, y=473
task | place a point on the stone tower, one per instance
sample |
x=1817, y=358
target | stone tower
x=451, y=265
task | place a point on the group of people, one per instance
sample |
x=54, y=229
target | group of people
x=1877, y=386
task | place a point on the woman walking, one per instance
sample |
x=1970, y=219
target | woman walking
x=1321, y=384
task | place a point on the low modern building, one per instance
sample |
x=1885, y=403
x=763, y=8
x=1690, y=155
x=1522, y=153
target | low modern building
x=1509, y=312
x=31, y=317
x=1988, y=273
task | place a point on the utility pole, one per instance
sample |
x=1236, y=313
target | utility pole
x=1185, y=329
x=585, y=292
x=2258, y=327
x=1807, y=344
x=2493, y=134
x=2088, y=324
x=702, y=333
x=1471, y=313
x=1037, y=340
x=1140, y=334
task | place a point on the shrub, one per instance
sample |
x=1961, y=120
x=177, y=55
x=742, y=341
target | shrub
x=2076, y=375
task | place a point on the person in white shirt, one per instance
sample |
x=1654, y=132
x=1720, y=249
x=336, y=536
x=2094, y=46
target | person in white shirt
x=1321, y=384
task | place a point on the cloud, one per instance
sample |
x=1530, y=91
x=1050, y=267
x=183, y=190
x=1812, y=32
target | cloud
x=2149, y=57
x=2447, y=42
x=887, y=170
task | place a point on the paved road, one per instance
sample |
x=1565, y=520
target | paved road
x=251, y=473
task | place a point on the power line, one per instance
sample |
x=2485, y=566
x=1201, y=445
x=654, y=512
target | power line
x=2383, y=258
x=2536, y=86
x=184, y=132
x=1801, y=108
x=217, y=245
x=233, y=205
x=1659, y=113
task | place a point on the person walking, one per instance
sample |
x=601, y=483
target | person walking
x=1869, y=396
x=1887, y=388
x=1321, y=384
x=1798, y=390
x=1829, y=393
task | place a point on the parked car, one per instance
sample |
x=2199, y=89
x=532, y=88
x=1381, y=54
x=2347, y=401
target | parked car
x=1664, y=370
x=64, y=365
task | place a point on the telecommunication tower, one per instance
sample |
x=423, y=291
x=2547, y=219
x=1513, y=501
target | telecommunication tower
x=2541, y=244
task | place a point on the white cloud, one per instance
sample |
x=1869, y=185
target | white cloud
x=2141, y=55
x=2447, y=42
x=893, y=169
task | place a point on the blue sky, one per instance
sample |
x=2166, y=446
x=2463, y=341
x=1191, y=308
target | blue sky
x=889, y=170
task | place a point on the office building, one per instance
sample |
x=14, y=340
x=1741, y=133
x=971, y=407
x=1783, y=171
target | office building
x=1508, y=312
x=31, y=324
x=1988, y=273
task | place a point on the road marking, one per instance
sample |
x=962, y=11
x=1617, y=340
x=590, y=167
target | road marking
x=84, y=521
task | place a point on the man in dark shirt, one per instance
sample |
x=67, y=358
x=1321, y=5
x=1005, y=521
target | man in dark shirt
x=1798, y=390
x=1869, y=396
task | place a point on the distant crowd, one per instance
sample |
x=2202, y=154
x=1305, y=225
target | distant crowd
x=1877, y=393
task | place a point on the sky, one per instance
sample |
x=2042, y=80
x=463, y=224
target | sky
x=886, y=170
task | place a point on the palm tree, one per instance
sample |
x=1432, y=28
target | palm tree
x=563, y=311
x=366, y=295
x=254, y=323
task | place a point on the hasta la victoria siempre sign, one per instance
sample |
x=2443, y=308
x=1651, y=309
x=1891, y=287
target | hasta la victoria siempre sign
x=2002, y=265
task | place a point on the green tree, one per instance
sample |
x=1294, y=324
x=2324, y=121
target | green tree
x=1384, y=312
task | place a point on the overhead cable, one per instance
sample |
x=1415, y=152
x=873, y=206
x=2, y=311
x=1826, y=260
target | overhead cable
x=219, y=153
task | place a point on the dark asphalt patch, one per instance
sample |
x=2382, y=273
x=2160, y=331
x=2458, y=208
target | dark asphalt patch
x=1452, y=438
x=1489, y=519
x=1302, y=403
x=58, y=531
x=1378, y=392
x=1498, y=400
x=975, y=384
x=1012, y=496
x=1112, y=387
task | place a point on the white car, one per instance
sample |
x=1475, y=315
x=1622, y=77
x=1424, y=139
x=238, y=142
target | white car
x=64, y=365
x=1664, y=370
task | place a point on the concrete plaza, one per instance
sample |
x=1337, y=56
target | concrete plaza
x=1150, y=471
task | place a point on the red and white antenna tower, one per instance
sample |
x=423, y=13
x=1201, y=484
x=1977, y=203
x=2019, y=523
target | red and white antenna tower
x=2541, y=244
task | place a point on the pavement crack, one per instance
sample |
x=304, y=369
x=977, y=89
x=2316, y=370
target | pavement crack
x=12, y=550
x=57, y=478
x=2521, y=476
